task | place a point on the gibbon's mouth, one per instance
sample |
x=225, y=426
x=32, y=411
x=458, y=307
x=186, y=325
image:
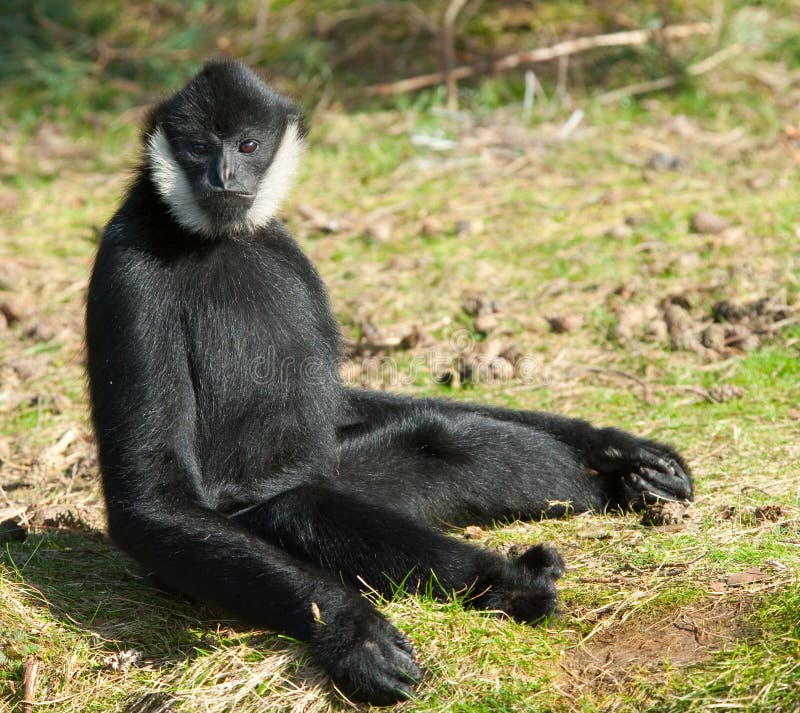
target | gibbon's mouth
x=233, y=196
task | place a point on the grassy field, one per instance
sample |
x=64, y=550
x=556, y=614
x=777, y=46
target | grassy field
x=641, y=269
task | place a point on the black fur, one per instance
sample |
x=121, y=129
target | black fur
x=239, y=470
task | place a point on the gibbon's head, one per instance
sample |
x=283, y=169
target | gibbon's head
x=223, y=152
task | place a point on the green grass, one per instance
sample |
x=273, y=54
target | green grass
x=540, y=209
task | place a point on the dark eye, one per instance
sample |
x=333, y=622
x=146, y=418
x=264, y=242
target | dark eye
x=248, y=146
x=199, y=149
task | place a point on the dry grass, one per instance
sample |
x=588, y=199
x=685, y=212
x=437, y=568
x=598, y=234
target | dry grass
x=414, y=245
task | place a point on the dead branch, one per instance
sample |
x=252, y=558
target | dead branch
x=544, y=54
x=634, y=90
x=30, y=674
x=654, y=85
x=449, y=50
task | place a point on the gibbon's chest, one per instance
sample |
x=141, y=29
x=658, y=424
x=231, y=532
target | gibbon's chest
x=254, y=326
x=261, y=362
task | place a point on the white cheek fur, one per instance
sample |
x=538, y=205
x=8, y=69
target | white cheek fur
x=172, y=185
x=278, y=180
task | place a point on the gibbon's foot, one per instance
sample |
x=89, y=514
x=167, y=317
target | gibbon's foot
x=524, y=588
x=649, y=471
x=544, y=560
x=366, y=656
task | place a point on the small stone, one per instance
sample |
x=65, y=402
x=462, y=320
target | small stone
x=705, y=222
x=13, y=310
x=462, y=228
x=663, y=161
x=563, y=323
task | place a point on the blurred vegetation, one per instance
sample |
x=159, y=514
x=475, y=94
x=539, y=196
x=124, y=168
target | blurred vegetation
x=81, y=62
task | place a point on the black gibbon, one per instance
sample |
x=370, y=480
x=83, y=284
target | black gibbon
x=239, y=470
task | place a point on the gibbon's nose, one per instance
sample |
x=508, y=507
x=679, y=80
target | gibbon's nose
x=221, y=174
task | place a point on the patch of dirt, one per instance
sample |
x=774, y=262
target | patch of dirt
x=615, y=657
x=760, y=515
x=694, y=322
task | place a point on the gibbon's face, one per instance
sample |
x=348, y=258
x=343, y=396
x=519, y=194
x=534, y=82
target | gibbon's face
x=223, y=152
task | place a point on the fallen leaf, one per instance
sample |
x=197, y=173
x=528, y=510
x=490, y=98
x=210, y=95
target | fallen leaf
x=737, y=579
x=768, y=513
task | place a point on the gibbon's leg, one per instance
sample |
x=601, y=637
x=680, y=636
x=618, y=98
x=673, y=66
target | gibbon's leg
x=605, y=467
x=372, y=545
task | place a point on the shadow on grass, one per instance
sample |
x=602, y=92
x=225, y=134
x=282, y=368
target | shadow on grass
x=99, y=594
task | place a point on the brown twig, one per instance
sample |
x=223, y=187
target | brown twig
x=654, y=85
x=29, y=676
x=449, y=50
x=543, y=54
